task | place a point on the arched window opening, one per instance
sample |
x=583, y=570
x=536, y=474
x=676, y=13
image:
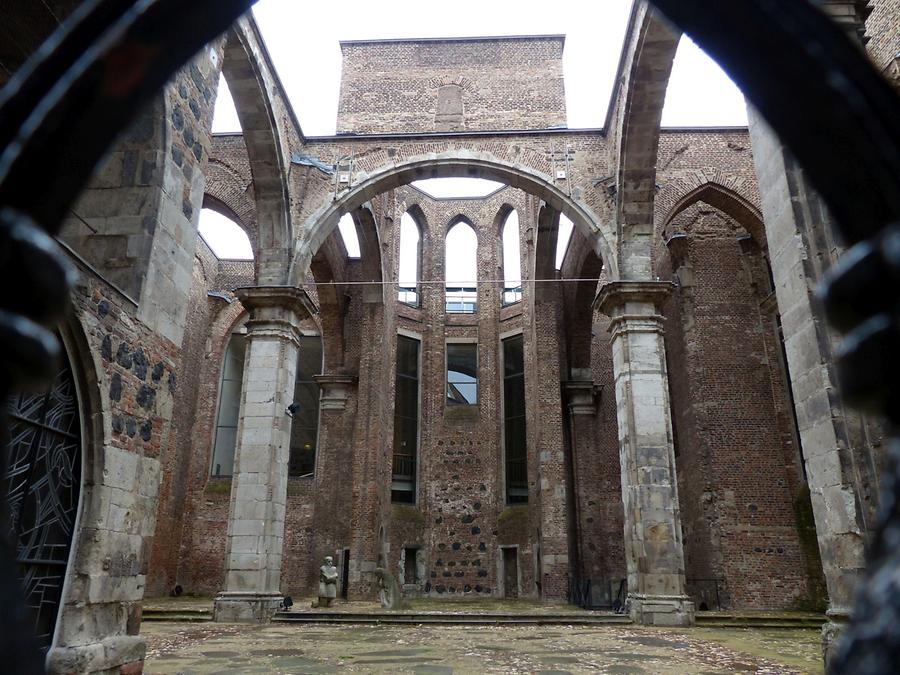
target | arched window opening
x=305, y=425
x=347, y=228
x=225, y=238
x=563, y=237
x=410, y=257
x=512, y=261
x=41, y=486
x=461, y=269
x=225, y=117
x=230, y=385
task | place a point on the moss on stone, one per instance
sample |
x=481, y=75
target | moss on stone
x=218, y=486
x=514, y=516
x=407, y=514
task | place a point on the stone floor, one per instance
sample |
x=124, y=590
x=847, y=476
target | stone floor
x=221, y=648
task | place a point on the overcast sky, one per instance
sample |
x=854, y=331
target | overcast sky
x=303, y=41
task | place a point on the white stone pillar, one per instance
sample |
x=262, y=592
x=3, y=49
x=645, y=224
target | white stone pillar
x=259, y=488
x=653, y=545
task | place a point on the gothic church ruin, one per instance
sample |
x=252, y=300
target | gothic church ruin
x=651, y=420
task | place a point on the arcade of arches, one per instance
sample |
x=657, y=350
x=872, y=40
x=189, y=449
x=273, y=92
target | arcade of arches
x=655, y=413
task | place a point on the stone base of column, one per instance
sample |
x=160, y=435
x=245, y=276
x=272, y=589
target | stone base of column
x=120, y=653
x=831, y=631
x=661, y=610
x=234, y=607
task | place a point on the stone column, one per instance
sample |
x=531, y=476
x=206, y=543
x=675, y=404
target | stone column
x=259, y=487
x=334, y=455
x=581, y=397
x=841, y=448
x=653, y=544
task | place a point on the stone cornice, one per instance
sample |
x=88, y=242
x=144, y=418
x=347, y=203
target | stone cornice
x=616, y=293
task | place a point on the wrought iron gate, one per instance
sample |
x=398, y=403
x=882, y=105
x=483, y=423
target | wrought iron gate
x=42, y=484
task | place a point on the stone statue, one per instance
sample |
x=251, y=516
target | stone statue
x=328, y=576
x=389, y=590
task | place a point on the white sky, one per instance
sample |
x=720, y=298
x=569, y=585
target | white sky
x=308, y=33
x=699, y=93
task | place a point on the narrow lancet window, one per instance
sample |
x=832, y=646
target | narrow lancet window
x=512, y=264
x=406, y=421
x=461, y=269
x=230, y=385
x=305, y=423
x=410, y=255
x=563, y=237
x=514, y=420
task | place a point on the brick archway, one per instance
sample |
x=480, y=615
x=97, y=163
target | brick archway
x=452, y=163
x=635, y=117
x=250, y=79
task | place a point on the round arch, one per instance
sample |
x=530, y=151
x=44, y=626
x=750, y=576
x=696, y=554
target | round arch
x=458, y=163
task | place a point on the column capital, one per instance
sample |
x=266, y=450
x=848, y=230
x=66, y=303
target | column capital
x=335, y=390
x=581, y=396
x=615, y=295
x=276, y=311
x=281, y=297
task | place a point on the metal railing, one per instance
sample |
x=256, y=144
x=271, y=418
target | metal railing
x=408, y=295
x=461, y=300
x=404, y=467
x=511, y=296
x=601, y=593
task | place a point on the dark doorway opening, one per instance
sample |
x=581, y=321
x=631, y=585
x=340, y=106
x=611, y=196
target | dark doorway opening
x=409, y=566
x=510, y=573
x=345, y=573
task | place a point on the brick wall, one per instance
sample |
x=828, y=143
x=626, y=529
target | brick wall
x=412, y=86
x=740, y=480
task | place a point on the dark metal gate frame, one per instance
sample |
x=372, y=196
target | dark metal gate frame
x=64, y=108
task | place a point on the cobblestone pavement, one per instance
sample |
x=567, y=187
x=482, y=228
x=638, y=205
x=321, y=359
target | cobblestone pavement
x=446, y=650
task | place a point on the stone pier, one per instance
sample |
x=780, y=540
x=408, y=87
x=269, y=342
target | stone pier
x=653, y=544
x=255, y=536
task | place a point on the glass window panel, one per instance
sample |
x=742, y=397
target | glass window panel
x=513, y=355
x=463, y=358
x=407, y=356
x=407, y=397
x=229, y=405
x=234, y=357
x=309, y=360
x=305, y=424
x=514, y=438
x=223, y=454
x=406, y=421
x=470, y=391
